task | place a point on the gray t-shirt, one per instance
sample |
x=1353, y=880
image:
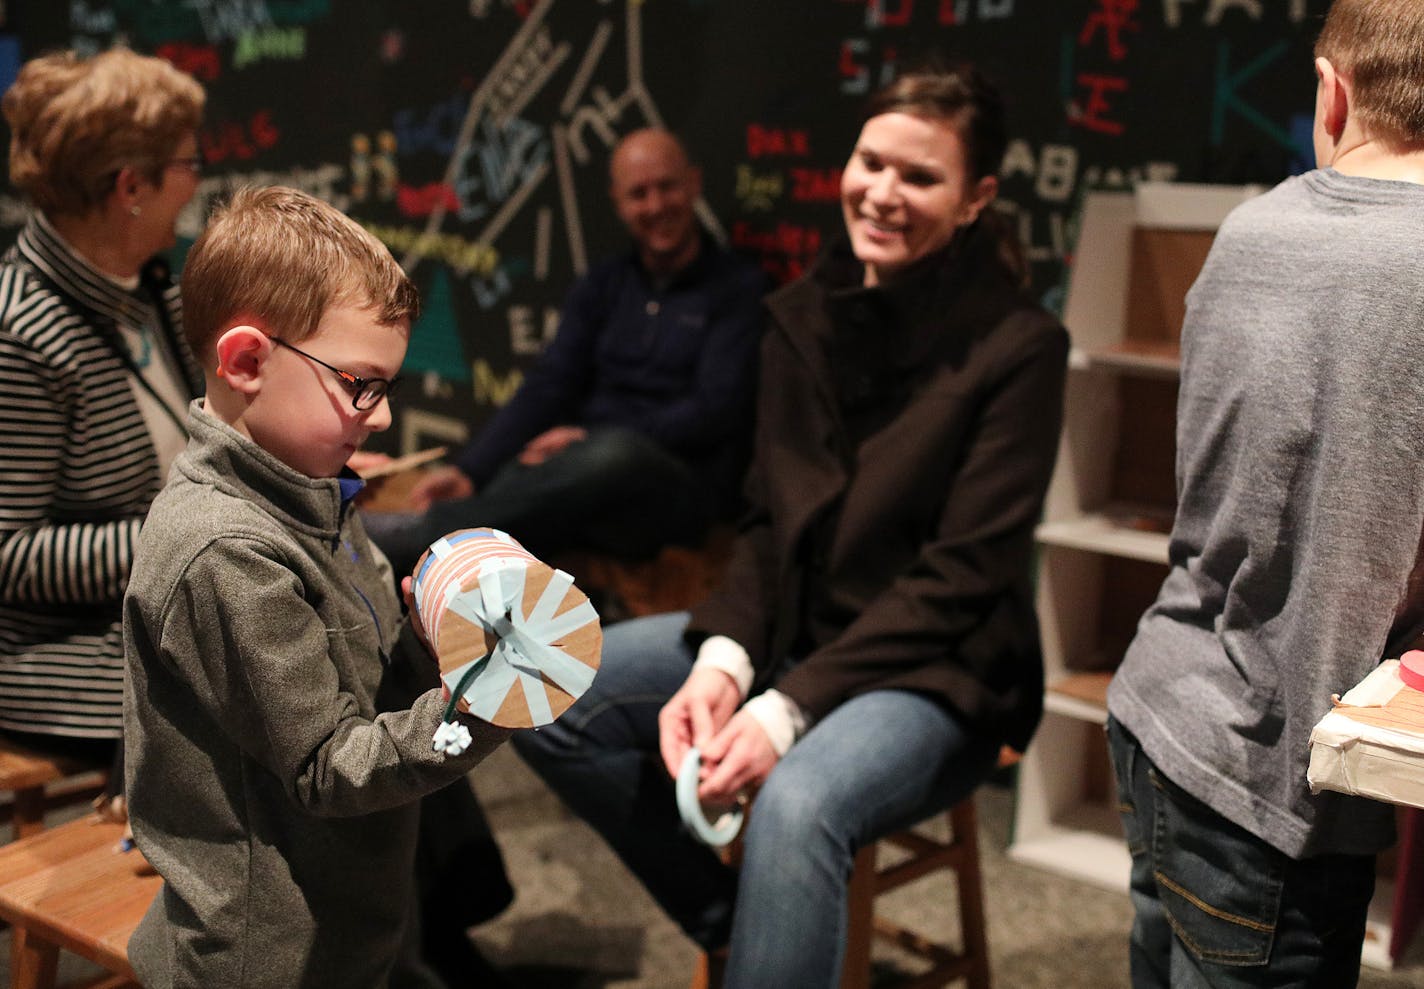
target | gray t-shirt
x=1300, y=482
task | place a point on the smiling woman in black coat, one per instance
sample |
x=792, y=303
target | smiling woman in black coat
x=873, y=643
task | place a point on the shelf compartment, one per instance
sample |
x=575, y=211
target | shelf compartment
x=1083, y=696
x=1067, y=820
x=1085, y=844
x=1102, y=532
x=1152, y=358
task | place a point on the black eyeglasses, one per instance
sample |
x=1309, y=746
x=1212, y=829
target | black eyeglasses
x=366, y=393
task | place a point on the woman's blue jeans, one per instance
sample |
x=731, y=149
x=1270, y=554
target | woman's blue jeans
x=878, y=763
x=1218, y=907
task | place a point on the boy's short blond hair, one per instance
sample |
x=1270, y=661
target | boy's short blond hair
x=281, y=258
x=74, y=123
x=1378, y=45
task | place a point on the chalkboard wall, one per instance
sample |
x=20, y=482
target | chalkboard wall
x=472, y=136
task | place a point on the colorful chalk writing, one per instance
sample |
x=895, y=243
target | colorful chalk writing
x=417, y=202
x=901, y=13
x=212, y=20
x=239, y=139
x=758, y=192
x=435, y=340
x=815, y=185
x=766, y=142
x=784, y=250
x=1094, y=109
x=473, y=138
x=1105, y=28
x=91, y=18
x=530, y=331
x=1054, y=169
x=505, y=158
x=491, y=387
x=202, y=62
x=1213, y=11
x=458, y=252
x=271, y=44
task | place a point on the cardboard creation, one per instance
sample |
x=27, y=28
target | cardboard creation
x=1372, y=742
x=516, y=641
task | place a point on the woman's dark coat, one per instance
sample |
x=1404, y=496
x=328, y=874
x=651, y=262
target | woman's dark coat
x=905, y=439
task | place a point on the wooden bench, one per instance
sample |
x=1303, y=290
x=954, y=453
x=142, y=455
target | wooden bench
x=69, y=887
x=41, y=783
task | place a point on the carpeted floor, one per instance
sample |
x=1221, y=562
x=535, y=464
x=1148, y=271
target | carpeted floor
x=580, y=921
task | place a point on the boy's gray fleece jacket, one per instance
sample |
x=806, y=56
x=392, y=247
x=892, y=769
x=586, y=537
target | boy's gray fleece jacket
x=278, y=728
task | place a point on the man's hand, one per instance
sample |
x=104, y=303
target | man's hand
x=701, y=706
x=737, y=757
x=550, y=442
x=363, y=460
x=441, y=484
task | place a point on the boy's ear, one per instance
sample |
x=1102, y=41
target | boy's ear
x=1332, y=99
x=242, y=352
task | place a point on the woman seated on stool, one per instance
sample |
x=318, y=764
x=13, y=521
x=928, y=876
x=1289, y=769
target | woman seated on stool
x=95, y=378
x=877, y=610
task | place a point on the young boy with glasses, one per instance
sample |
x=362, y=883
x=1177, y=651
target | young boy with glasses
x=279, y=711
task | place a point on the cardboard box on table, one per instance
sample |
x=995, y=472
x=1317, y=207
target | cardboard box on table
x=1371, y=744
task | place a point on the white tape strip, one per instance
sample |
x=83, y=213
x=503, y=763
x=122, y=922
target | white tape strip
x=717, y=833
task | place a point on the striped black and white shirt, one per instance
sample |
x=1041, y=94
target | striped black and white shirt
x=78, y=471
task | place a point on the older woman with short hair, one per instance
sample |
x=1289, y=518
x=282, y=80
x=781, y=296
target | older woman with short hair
x=94, y=377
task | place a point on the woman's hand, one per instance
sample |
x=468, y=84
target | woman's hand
x=441, y=484
x=701, y=706
x=737, y=757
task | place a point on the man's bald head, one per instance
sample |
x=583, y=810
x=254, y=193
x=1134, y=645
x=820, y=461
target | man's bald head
x=654, y=187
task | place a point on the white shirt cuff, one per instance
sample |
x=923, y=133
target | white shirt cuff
x=780, y=717
x=725, y=654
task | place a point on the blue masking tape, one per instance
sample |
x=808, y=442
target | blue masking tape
x=717, y=833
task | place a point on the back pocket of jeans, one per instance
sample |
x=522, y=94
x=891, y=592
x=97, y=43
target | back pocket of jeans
x=1219, y=885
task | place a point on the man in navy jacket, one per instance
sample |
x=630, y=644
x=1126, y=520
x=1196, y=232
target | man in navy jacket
x=632, y=429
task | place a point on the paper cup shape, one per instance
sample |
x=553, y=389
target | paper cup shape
x=524, y=642
x=1411, y=669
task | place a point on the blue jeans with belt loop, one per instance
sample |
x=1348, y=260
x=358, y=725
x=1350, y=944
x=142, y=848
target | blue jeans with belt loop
x=878, y=763
x=1215, y=906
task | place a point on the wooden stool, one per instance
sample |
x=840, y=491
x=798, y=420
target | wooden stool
x=868, y=880
x=959, y=852
x=27, y=774
x=69, y=887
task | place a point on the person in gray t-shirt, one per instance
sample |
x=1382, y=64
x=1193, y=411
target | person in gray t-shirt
x=1301, y=503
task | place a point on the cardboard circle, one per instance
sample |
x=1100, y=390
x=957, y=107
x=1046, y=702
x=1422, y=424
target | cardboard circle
x=529, y=638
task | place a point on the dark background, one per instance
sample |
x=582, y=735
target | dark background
x=489, y=125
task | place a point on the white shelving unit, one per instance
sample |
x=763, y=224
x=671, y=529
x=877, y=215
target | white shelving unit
x=1103, y=550
x=1103, y=542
